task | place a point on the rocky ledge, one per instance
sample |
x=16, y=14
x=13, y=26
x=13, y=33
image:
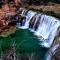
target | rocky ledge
x=7, y=32
x=50, y=9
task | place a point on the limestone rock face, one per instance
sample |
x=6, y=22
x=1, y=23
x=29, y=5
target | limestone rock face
x=51, y=7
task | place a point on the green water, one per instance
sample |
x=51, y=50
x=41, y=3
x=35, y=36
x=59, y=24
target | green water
x=24, y=42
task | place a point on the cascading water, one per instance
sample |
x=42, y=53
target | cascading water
x=30, y=14
x=47, y=29
x=51, y=52
x=43, y=26
x=34, y=22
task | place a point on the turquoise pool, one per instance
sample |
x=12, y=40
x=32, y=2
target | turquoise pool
x=25, y=42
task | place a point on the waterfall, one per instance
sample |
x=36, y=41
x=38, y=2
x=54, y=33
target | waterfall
x=51, y=52
x=28, y=16
x=34, y=22
x=47, y=29
x=43, y=26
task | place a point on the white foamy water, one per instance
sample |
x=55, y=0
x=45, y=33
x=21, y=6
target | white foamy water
x=46, y=26
x=29, y=16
